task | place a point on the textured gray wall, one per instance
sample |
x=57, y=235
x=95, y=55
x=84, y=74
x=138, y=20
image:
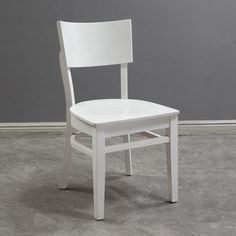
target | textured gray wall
x=184, y=56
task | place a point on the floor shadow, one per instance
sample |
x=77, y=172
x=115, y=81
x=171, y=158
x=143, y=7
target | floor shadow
x=76, y=201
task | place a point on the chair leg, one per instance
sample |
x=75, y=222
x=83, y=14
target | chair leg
x=172, y=159
x=63, y=178
x=98, y=173
x=128, y=160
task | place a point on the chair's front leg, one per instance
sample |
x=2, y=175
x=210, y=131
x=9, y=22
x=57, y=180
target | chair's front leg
x=128, y=160
x=172, y=159
x=63, y=178
x=98, y=173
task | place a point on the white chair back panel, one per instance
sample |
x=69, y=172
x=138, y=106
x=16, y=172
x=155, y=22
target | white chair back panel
x=96, y=44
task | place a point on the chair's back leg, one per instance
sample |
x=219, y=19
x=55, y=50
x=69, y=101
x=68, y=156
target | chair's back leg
x=98, y=145
x=124, y=95
x=172, y=159
x=128, y=160
x=63, y=178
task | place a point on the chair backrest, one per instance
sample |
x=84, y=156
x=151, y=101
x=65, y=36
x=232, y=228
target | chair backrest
x=96, y=44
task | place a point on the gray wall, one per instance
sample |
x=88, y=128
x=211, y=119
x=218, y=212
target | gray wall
x=184, y=53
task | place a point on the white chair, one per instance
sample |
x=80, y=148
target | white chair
x=100, y=44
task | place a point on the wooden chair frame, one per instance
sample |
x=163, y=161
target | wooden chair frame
x=100, y=132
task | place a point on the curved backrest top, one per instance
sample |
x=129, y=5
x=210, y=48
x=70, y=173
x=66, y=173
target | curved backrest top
x=96, y=44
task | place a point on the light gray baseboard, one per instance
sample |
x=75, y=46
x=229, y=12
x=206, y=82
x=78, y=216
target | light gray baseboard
x=47, y=126
x=192, y=127
x=204, y=127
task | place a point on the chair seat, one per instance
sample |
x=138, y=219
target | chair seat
x=104, y=111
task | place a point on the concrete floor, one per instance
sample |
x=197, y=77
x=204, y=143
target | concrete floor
x=31, y=204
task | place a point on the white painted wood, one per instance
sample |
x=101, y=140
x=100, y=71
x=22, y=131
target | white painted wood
x=96, y=44
x=81, y=126
x=172, y=159
x=67, y=84
x=105, y=111
x=69, y=97
x=136, y=126
x=136, y=144
x=80, y=147
x=70, y=101
x=107, y=43
x=124, y=95
x=63, y=178
x=151, y=134
x=98, y=144
x=128, y=157
x=124, y=80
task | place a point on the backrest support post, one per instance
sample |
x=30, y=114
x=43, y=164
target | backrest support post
x=124, y=80
x=67, y=84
